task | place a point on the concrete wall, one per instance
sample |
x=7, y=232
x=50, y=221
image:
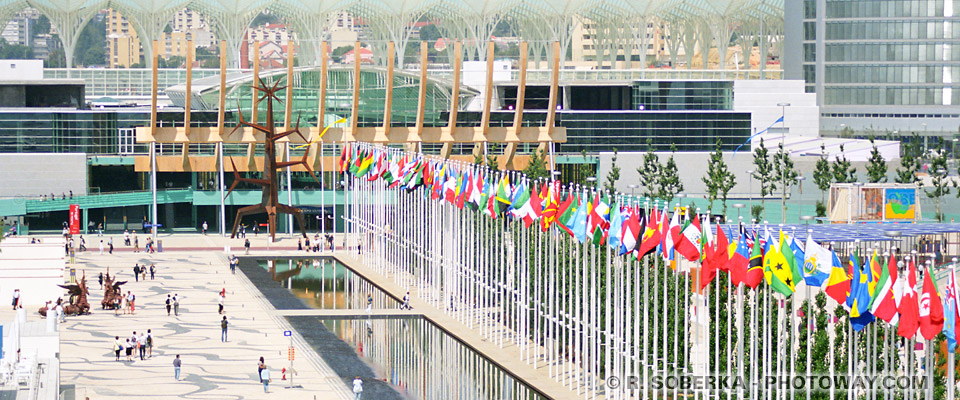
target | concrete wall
x=760, y=97
x=21, y=70
x=35, y=174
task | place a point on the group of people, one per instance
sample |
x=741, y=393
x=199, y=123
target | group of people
x=142, y=344
x=126, y=303
x=141, y=272
x=305, y=244
x=173, y=303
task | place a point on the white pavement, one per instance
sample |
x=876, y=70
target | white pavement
x=211, y=369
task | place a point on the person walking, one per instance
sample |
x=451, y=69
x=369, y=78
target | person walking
x=126, y=237
x=129, y=350
x=357, y=388
x=117, y=346
x=110, y=245
x=130, y=300
x=83, y=244
x=136, y=242
x=100, y=279
x=142, y=345
x=220, y=306
x=176, y=304
x=223, y=329
x=369, y=302
x=260, y=367
x=204, y=228
x=149, y=344
x=100, y=229
x=265, y=377
x=153, y=270
x=256, y=229
x=169, y=304
x=246, y=246
x=176, y=368
x=406, y=301
x=101, y=247
x=61, y=316
x=136, y=272
x=16, y=299
x=143, y=271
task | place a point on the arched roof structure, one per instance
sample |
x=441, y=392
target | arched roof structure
x=390, y=20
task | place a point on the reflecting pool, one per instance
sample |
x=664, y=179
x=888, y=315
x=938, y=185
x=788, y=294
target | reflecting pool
x=325, y=284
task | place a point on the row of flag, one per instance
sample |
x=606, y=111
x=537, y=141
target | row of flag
x=870, y=291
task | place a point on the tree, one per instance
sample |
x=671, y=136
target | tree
x=823, y=178
x=910, y=154
x=876, y=166
x=719, y=179
x=337, y=54
x=171, y=62
x=42, y=25
x=668, y=182
x=650, y=172
x=843, y=171
x=265, y=19
x=585, y=170
x=91, y=44
x=14, y=51
x=786, y=175
x=537, y=168
x=56, y=59
x=613, y=175
x=938, y=178
x=763, y=173
x=430, y=33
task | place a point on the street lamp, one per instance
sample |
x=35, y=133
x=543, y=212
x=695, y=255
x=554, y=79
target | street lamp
x=738, y=206
x=858, y=185
x=750, y=188
x=941, y=174
x=783, y=153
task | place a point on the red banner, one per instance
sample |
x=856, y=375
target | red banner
x=74, y=219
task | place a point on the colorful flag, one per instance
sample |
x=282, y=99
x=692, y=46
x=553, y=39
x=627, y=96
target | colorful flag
x=884, y=305
x=567, y=210
x=599, y=220
x=908, y=308
x=616, y=228
x=651, y=234
x=931, y=309
x=688, y=244
x=950, y=311
x=739, y=261
x=580, y=220
x=816, y=263
x=755, y=272
x=549, y=204
x=504, y=192
x=776, y=270
x=530, y=209
x=838, y=285
x=630, y=230
x=670, y=233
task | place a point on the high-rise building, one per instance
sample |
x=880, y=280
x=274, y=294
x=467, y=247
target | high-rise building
x=878, y=66
x=122, y=41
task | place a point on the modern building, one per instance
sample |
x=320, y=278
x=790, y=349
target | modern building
x=878, y=67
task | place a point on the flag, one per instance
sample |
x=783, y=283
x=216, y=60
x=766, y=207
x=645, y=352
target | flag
x=450, y=187
x=776, y=270
x=466, y=189
x=530, y=211
x=670, y=233
x=377, y=168
x=718, y=255
x=580, y=220
x=859, y=299
x=548, y=202
x=755, y=270
x=688, y=244
x=343, y=158
x=721, y=252
x=488, y=200
x=616, y=228
x=816, y=263
x=950, y=311
x=630, y=230
x=931, y=309
x=651, y=234
x=787, y=249
x=739, y=261
x=838, y=285
x=884, y=304
x=567, y=210
x=519, y=199
x=504, y=191
x=476, y=191
x=598, y=221
x=797, y=249
x=908, y=308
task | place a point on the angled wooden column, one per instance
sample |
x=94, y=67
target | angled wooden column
x=222, y=104
x=554, y=93
x=321, y=106
x=288, y=101
x=422, y=94
x=154, y=85
x=454, y=96
x=187, y=106
x=254, y=109
x=355, y=107
x=488, y=95
x=511, y=149
x=388, y=103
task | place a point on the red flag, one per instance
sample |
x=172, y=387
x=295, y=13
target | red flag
x=343, y=158
x=908, y=308
x=651, y=234
x=931, y=309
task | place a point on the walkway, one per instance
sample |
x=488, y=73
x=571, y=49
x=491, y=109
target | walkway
x=211, y=369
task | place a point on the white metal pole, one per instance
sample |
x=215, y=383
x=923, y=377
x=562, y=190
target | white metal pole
x=223, y=208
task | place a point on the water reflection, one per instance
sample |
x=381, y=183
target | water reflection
x=423, y=362
x=323, y=283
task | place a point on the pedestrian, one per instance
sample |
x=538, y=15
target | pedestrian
x=116, y=306
x=149, y=344
x=117, y=346
x=233, y=265
x=357, y=388
x=100, y=279
x=176, y=304
x=59, y=309
x=369, y=302
x=406, y=301
x=16, y=299
x=243, y=231
x=176, y=368
x=126, y=237
x=136, y=242
x=220, y=309
x=142, y=345
x=100, y=229
x=110, y=245
x=143, y=272
x=260, y=367
x=153, y=270
x=246, y=246
x=204, y=228
x=83, y=244
x=256, y=229
x=265, y=377
x=169, y=304
x=136, y=272
x=306, y=244
x=130, y=300
x=299, y=244
x=223, y=329
x=126, y=305
x=101, y=247
x=129, y=350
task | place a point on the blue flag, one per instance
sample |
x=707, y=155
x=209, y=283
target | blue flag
x=580, y=221
x=616, y=221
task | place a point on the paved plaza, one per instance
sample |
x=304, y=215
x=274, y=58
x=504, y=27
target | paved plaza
x=211, y=369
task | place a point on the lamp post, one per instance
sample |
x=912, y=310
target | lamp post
x=858, y=185
x=632, y=188
x=750, y=189
x=783, y=153
x=941, y=175
x=738, y=206
x=593, y=181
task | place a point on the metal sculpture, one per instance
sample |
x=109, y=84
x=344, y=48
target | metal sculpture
x=269, y=202
x=78, y=299
x=112, y=295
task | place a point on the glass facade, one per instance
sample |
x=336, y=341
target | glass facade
x=883, y=53
x=683, y=95
x=631, y=131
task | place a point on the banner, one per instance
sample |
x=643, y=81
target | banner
x=74, y=219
